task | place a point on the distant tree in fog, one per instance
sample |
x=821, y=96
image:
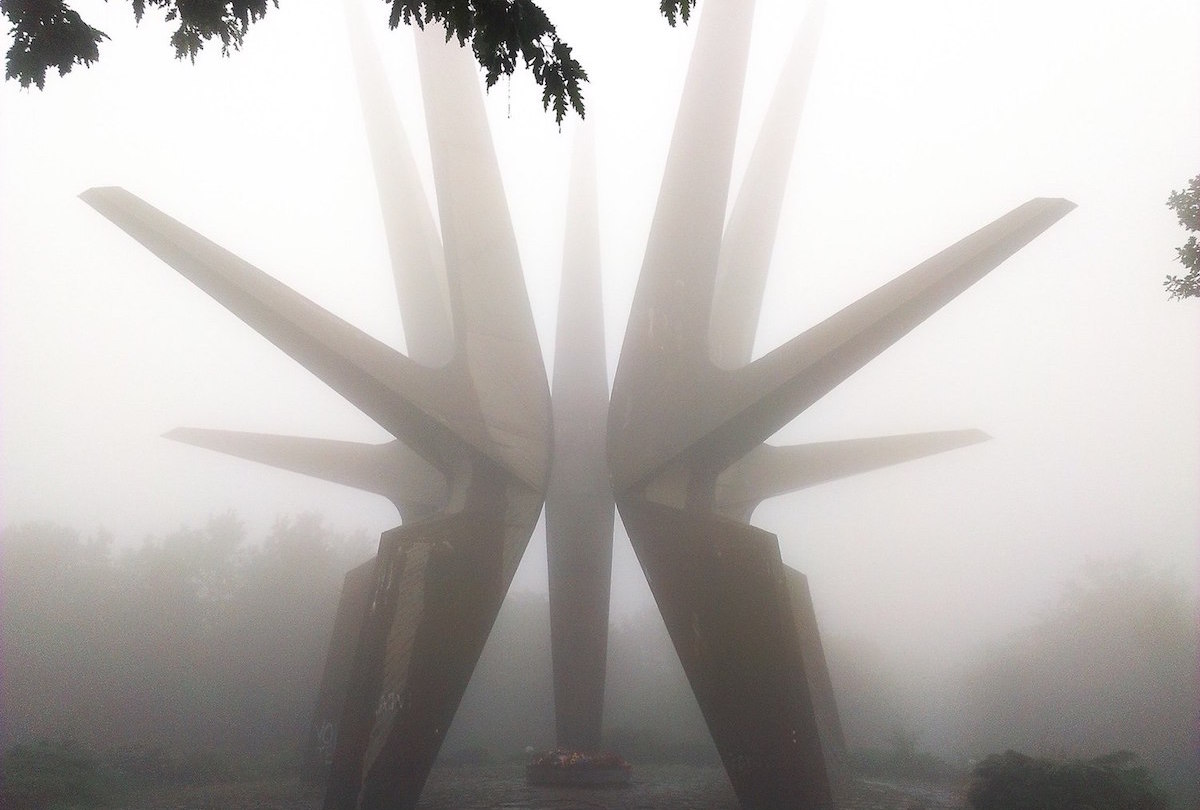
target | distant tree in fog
x=869, y=692
x=54, y=590
x=501, y=33
x=192, y=640
x=509, y=703
x=1112, y=666
x=1186, y=205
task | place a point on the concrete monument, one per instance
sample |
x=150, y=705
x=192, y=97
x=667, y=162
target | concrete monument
x=686, y=479
x=684, y=454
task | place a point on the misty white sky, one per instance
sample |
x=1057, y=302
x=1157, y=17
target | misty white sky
x=925, y=120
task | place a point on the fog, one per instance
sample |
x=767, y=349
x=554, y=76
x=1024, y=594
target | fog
x=923, y=122
x=198, y=654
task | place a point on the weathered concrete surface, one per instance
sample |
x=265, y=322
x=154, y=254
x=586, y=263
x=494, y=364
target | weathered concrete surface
x=317, y=756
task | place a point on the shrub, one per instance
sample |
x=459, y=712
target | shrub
x=1013, y=781
x=901, y=760
x=48, y=774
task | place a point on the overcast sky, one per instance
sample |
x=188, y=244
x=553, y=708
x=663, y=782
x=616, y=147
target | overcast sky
x=925, y=120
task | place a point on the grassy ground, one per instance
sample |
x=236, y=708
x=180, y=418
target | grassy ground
x=270, y=794
x=679, y=787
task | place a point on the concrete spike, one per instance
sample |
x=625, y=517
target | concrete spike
x=579, y=501
x=428, y=409
x=496, y=341
x=390, y=469
x=754, y=221
x=767, y=471
x=414, y=245
x=668, y=323
x=797, y=374
x=731, y=413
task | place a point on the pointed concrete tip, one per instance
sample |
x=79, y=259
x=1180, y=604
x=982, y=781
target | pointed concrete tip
x=181, y=434
x=104, y=197
x=1061, y=204
x=204, y=438
x=87, y=195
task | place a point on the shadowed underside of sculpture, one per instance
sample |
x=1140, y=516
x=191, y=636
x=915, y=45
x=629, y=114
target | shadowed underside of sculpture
x=690, y=412
x=469, y=466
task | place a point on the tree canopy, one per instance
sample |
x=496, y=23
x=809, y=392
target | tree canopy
x=501, y=33
x=198, y=639
x=1110, y=665
x=1186, y=204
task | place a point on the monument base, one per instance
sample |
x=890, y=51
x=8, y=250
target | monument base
x=564, y=768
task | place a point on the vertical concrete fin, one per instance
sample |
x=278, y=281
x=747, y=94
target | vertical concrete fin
x=580, y=391
x=415, y=248
x=579, y=501
x=754, y=221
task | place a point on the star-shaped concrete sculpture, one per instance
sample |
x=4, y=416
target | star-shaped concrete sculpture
x=685, y=442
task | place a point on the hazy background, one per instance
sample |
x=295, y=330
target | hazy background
x=924, y=121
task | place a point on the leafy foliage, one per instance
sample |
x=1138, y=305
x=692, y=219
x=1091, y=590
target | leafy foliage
x=203, y=20
x=1186, y=204
x=47, y=35
x=1012, y=781
x=502, y=34
x=676, y=10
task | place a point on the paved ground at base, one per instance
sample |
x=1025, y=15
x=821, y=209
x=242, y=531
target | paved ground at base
x=502, y=787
